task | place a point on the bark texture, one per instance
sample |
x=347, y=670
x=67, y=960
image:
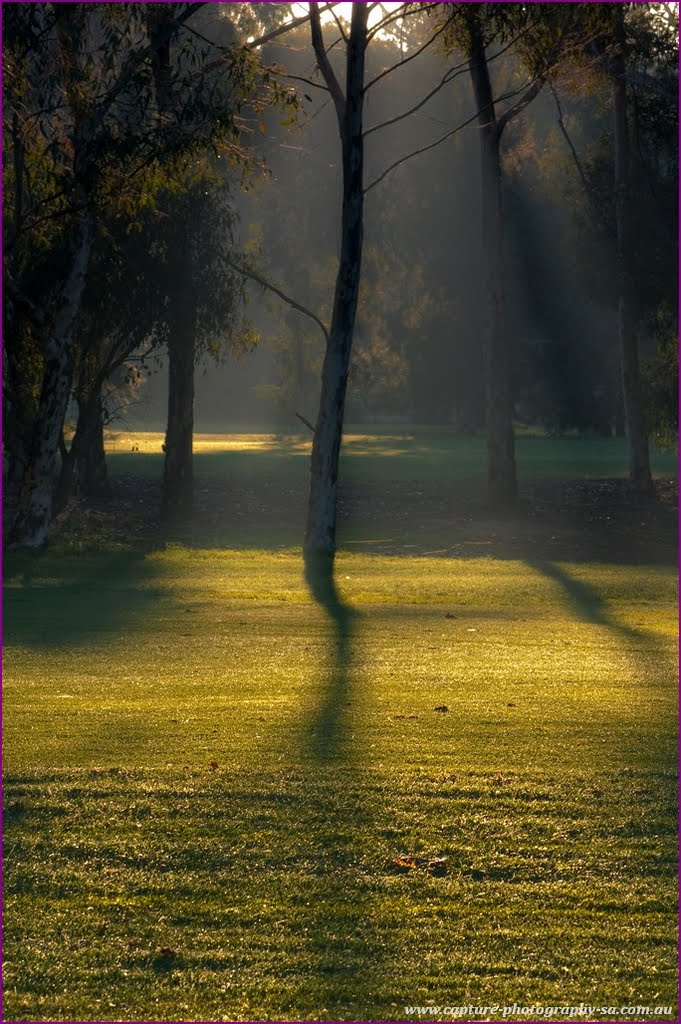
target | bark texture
x=320, y=534
x=34, y=514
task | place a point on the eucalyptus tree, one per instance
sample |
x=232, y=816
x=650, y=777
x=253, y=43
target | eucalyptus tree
x=320, y=532
x=628, y=197
x=142, y=301
x=537, y=37
x=117, y=111
x=347, y=92
x=76, y=99
x=348, y=98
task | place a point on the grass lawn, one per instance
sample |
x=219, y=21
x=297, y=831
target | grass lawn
x=207, y=782
x=418, y=454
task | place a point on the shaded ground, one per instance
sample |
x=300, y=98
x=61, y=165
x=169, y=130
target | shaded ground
x=596, y=520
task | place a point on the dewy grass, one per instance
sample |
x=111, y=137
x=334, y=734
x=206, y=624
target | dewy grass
x=206, y=786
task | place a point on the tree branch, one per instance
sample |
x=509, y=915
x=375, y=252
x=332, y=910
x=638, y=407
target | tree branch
x=401, y=12
x=412, y=56
x=301, y=78
x=564, y=132
x=325, y=64
x=448, y=77
x=247, y=272
x=533, y=90
x=302, y=20
x=339, y=25
x=416, y=152
x=307, y=423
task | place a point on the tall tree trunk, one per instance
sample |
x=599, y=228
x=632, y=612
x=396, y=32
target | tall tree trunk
x=84, y=469
x=178, y=471
x=91, y=470
x=35, y=505
x=637, y=436
x=320, y=534
x=501, y=471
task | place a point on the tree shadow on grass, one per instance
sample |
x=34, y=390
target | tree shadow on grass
x=588, y=604
x=77, y=599
x=592, y=608
x=345, y=939
x=327, y=730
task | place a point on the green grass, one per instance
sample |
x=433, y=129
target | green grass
x=418, y=454
x=197, y=763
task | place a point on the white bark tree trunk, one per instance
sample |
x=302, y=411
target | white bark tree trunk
x=320, y=534
x=35, y=504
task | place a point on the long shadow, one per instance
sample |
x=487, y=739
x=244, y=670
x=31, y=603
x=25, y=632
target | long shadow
x=345, y=935
x=61, y=600
x=327, y=730
x=591, y=607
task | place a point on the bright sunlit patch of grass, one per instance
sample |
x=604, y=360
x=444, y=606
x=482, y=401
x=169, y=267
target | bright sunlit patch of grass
x=151, y=442
x=178, y=846
x=436, y=454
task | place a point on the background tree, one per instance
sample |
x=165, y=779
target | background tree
x=624, y=233
x=539, y=34
x=109, y=67
x=78, y=76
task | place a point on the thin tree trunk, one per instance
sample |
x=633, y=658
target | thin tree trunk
x=178, y=472
x=320, y=534
x=35, y=505
x=501, y=471
x=639, y=460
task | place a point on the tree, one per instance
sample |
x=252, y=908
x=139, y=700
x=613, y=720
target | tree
x=320, y=532
x=202, y=317
x=76, y=79
x=349, y=107
x=130, y=112
x=634, y=52
x=472, y=28
x=639, y=460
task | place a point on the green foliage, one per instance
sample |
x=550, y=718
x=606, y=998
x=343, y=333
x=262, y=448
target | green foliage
x=85, y=123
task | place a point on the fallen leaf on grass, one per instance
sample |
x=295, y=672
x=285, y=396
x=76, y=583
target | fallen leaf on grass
x=405, y=864
x=436, y=866
x=441, y=707
x=213, y=765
